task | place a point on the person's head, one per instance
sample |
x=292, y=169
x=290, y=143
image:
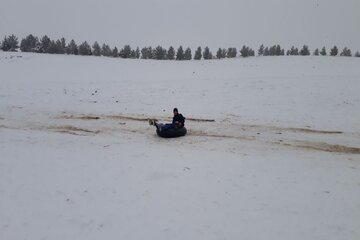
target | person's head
x=175, y=111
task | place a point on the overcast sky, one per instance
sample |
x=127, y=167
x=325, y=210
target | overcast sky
x=215, y=23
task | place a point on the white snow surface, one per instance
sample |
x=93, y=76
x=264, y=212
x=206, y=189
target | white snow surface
x=272, y=150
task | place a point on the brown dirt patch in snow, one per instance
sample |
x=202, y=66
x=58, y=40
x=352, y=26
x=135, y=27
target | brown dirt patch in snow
x=73, y=130
x=131, y=118
x=290, y=129
x=124, y=117
x=81, y=117
x=214, y=135
x=326, y=147
x=309, y=130
x=200, y=120
x=94, y=117
x=89, y=118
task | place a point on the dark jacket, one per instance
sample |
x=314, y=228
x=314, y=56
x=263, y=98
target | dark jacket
x=179, y=118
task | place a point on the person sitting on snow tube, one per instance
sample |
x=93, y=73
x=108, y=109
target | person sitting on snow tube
x=177, y=122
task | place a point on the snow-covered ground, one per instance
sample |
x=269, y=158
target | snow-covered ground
x=272, y=151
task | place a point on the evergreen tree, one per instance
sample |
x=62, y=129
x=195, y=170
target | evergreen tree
x=24, y=46
x=198, y=54
x=125, y=52
x=45, y=44
x=10, y=43
x=62, y=46
x=231, y=53
x=219, y=53
x=244, y=51
x=323, y=51
x=294, y=51
x=247, y=51
x=277, y=50
x=207, y=53
x=14, y=43
x=137, y=53
x=346, y=52
x=5, y=44
x=316, y=52
x=52, y=47
x=115, y=52
x=165, y=54
x=171, y=53
x=211, y=56
x=106, y=50
x=291, y=51
x=251, y=53
x=180, y=54
x=145, y=54
x=266, y=51
x=223, y=53
x=334, y=51
x=305, y=51
x=261, y=50
x=84, y=49
x=133, y=54
x=273, y=50
x=72, y=48
x=160, y=53
x=96, y=49
x=187, y=54
x=59, y=47
x=151, y=53
x=29, y=44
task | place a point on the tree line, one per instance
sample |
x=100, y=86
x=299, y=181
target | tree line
x=60, y=46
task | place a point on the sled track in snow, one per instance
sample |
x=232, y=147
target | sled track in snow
x=73, y=130
x=215, y=135
x=200, y=128
x=322, y=146
x=125, y=117
x=248, y=132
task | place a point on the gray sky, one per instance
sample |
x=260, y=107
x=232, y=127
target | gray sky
x=216, y=23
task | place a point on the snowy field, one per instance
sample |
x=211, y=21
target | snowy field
x=272, y=151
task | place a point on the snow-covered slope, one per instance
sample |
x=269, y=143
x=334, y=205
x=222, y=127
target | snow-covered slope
x=272, y=150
